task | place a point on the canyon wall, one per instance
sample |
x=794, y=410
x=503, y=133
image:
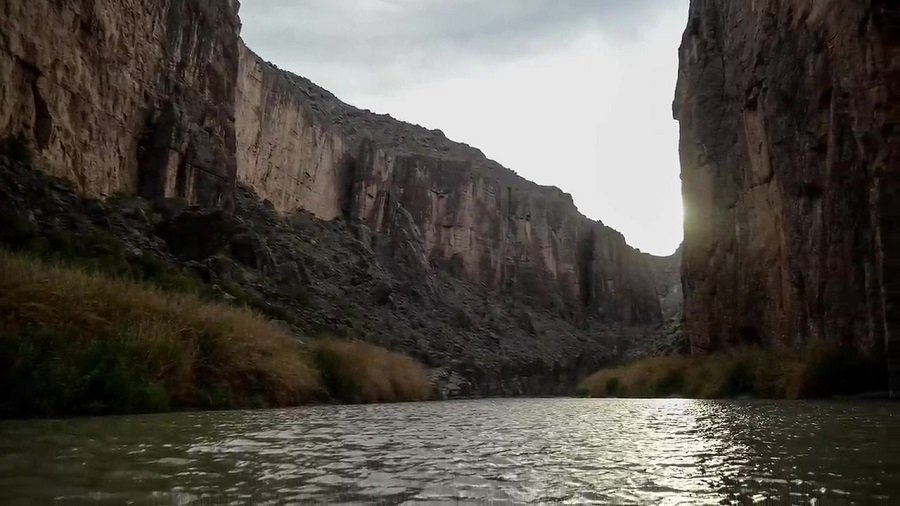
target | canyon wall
x=301, y=147
x=352, y=223
x=285, y=151
x=790, y=149
x=124, y=95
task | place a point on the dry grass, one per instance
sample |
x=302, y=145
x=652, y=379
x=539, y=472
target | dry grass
x=78, y=342
x=662, y=375
x=817, y=369
x=169, y=350
x=361, y=372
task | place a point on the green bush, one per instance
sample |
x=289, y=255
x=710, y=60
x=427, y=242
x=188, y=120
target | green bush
x=338, y=383
x=47, y=372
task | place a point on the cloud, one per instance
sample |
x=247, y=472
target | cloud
x=387, y=43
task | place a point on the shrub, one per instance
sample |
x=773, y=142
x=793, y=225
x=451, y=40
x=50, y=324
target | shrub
x=75, y=342
x=361, y=372
x=78, y=342
x=96, y=251
x=817, y=369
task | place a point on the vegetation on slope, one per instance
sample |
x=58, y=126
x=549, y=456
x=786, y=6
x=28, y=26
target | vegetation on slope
x=76, y=341
x=357, y=371
x=817, y=369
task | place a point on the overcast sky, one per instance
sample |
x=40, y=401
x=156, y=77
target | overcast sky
x=571, y=93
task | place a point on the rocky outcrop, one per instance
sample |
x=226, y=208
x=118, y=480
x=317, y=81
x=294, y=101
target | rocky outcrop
x=124, y=95
x=331, y=218
x=790, y=148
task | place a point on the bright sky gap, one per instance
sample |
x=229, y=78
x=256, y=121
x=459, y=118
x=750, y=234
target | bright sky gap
x=572, y=93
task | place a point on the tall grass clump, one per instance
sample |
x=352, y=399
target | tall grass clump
x=79, y=342
x=361, y=372
x=817, y=369
x=75, y=342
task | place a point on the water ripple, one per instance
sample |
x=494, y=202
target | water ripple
x=534, y=450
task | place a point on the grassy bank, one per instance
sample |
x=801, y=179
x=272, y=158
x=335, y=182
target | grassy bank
x=360, y=372
x=816, y=370
x=74, y=341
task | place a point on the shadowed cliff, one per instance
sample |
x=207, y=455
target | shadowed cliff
x=790, y=148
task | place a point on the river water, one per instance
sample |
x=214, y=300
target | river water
x=524, y=450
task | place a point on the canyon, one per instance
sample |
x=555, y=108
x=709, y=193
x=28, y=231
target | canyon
x=790, y=150
x=183, y=144
x=353, y=223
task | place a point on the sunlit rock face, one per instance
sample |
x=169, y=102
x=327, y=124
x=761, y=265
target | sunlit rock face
x=284, y=152
x=300, y=147
x=790, y=150
x=124, y=95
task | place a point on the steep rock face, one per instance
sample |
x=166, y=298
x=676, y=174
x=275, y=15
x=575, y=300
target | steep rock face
x=300, y=147
x=124, y=95
x=790, y=122
x=283, y=153
x=490, y=227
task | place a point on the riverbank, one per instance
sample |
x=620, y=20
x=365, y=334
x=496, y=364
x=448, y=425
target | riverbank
x=76, y=341
x=815, y=370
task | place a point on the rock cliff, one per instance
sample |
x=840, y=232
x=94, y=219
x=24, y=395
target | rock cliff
x=300, y=147
x=338, y=219
x=790, y=148
x=124, y=95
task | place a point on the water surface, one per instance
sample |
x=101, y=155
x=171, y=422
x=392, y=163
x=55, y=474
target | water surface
x=528, y=450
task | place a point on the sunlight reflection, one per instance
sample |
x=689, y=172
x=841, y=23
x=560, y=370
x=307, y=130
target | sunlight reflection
x=571, y=451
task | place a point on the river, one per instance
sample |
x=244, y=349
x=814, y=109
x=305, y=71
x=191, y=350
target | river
x=507, y=450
